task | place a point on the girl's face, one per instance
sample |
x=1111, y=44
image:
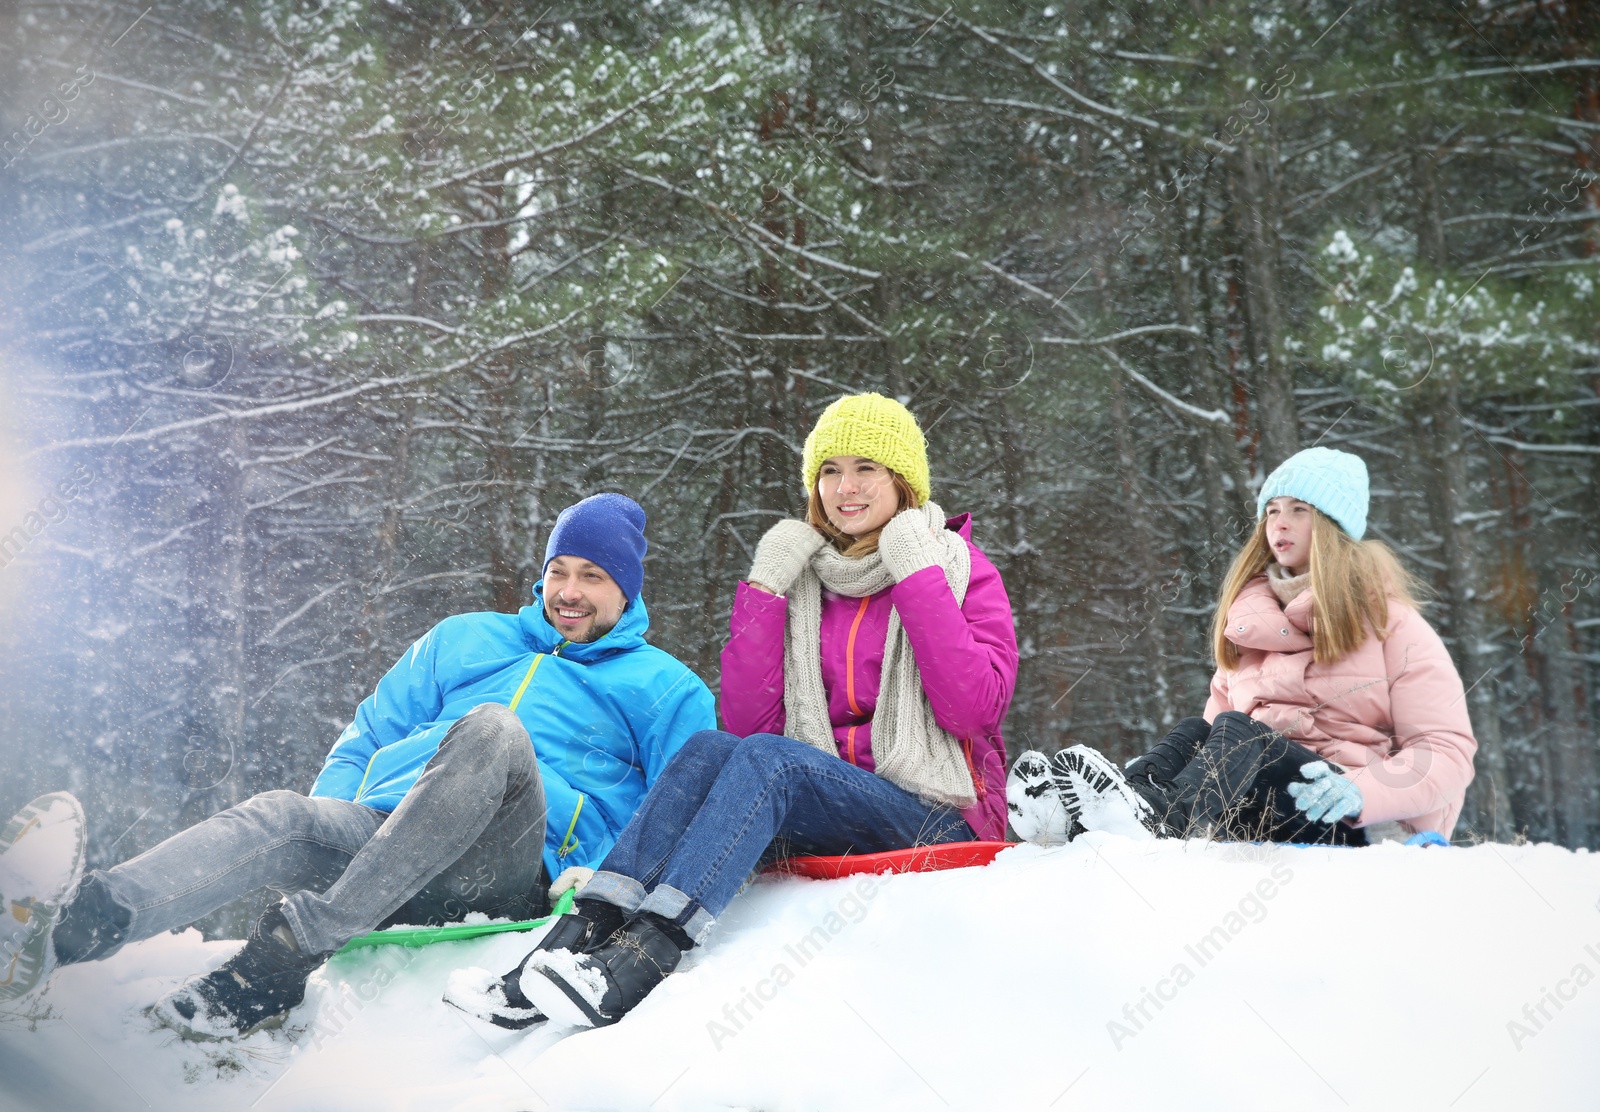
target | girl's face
x=1289, y=533
x=857, y=494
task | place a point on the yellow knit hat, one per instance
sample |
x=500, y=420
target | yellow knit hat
x=875, y=427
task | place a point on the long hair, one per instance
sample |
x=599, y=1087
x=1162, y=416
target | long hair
x=856, y=547
x=1351, y=585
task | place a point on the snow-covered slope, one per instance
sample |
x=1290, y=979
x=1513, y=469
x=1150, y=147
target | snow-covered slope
x=1108, y=974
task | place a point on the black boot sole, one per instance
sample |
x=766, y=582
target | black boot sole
x=509, y=1023
x=168, y=1021
x=488, y=1015
x=569, y=932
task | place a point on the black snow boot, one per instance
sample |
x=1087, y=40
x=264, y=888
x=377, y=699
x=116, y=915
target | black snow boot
x=589, y=926
x=598, y=988
x=92, y=925
x=603, y=920
x=251, y=990
x=1037, y=812
x=1099, y=795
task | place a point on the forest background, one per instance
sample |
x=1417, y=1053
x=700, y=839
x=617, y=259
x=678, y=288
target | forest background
x=314, y=312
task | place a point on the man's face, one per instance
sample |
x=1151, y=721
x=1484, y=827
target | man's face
x=581, y=599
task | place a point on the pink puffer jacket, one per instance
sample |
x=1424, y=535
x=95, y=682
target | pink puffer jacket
x=966, y=656
x=1392, y=713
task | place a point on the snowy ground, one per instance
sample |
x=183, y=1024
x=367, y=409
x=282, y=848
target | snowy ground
x=1108, y=974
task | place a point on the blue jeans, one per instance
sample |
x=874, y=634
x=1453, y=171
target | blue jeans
x=725, y=805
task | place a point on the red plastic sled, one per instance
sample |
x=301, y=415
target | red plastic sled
x=918, y=859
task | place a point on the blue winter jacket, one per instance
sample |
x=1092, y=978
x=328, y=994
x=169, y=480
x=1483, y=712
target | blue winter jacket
x=605, y=717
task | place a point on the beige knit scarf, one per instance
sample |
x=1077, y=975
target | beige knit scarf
x=909, y=749
x=1287, y=587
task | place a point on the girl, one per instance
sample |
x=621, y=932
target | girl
x=871, y=660
x=1334, y=707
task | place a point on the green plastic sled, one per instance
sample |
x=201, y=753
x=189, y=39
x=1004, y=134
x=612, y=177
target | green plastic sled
x=456, y=932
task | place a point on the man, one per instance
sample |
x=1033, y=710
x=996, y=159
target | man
x=501, y=749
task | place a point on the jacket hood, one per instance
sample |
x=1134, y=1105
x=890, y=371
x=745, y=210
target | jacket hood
x=626, y=636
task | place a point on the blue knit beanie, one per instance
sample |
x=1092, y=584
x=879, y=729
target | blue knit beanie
x=1334, y=482
x=605, y=529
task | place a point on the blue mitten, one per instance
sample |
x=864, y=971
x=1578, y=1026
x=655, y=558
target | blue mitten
x=1328, y=797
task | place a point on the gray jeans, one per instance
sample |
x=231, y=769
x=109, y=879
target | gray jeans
x=468, y=836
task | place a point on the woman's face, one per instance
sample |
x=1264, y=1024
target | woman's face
x=857, y=494
x=1289, y=533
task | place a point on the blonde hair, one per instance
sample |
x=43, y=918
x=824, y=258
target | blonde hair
x=856, y=547
x=1351, y=585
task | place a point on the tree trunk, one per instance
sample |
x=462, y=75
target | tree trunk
x=1569, y=742
x=1430, y=221
x=506, y=534
x=1219, y=449
x=1148, y=621
x=1274, y=384
x=212, y=758
x=396, y=481
x=1488, y=807
x=882, y=129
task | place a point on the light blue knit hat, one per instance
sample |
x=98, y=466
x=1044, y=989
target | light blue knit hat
x=1334, y=482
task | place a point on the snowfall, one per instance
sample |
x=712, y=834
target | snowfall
x=1104, y=974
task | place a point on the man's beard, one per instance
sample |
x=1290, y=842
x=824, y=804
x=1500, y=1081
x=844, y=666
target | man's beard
x=596, y=631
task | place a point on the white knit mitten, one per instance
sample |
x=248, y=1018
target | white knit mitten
x=907, y=545
x=573, y=877
x=783, y=554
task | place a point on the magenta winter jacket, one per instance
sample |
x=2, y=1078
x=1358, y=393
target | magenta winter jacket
x=1391, y=713
x=967, y=657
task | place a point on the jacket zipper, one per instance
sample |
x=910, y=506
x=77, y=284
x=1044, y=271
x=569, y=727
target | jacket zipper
x=361, y=787
x=850, y=656
x=972, y=770
x=569, y=841
x=526, y=680
x=850, y=677
x=515, y=699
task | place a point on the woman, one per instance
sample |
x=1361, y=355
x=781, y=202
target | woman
x=1334, y=708
x=871, y=660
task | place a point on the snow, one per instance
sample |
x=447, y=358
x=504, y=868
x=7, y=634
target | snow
x=1105, y=974
x=1109, y=812
x=478, y=992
